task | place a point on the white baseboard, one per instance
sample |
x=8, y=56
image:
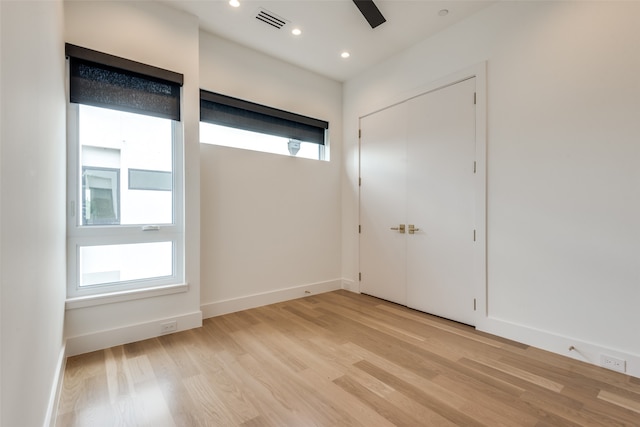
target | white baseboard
x=576, y=349
x=232, y=305
x=351, y=285
x=104, y=339
x=56, y=389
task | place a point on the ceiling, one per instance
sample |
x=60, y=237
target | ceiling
x=329, y=27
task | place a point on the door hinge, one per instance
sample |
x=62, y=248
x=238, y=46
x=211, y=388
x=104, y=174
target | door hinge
x=475, y=167
x=474, y=235
x=474, y=305
x=359, y=277
x=359, y=133
x=359, y=182
x=474, y=98
x=359, y=229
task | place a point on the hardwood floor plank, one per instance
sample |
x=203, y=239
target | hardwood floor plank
x=228, y=387
x=209, y=408
x=376, y=403
x=440, y=400
x=362, y=415
x=622, y=401
x=151, y=408
x=504, y=406
x=522, y=374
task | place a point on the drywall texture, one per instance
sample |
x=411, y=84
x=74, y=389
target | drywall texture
x=33, y=208
x=563, y=183
x=269, y=222
x=153, y=34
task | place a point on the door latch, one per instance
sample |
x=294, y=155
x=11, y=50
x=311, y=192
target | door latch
x=399, y=229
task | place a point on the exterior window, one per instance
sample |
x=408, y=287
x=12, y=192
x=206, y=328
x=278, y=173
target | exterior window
x=233, y=122
x=125, y=229
x=100, y=196
x=239, y=138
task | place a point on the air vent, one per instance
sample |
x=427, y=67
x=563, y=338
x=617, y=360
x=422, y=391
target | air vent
x=271, y=18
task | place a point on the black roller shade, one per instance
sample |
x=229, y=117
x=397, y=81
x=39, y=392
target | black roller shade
x=236, y=113
x=104, y=80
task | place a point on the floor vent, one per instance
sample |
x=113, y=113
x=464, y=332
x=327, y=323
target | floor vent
x=271, y=18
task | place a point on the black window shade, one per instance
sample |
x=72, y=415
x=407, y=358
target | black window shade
x=236, y=113
x=109, y=81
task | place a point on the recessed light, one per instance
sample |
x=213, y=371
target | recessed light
x=443, y=12
x=296, y=31
x=234, y=3
x=345, y=55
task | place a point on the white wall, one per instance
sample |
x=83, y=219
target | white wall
x=271, y=224
x=563, y=178
x=32, y=216
x=153, y=34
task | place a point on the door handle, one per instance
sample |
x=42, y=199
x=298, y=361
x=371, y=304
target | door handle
x=413, y=229
x=399, y=229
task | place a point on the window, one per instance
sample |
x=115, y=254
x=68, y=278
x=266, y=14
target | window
x=100, y=195
x=125, y=228
x=236, y=123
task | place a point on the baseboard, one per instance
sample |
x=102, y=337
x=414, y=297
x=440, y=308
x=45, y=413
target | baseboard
x=257, y=300
x=56, y=389
x=576, y=349
x=104, y=339
x=351, y=285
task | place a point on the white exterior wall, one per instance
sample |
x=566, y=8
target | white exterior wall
x=563, y=178
x=153, y=34
x=271, y=224
x=32, y=245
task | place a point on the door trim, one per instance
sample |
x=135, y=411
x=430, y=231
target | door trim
x=479, y=71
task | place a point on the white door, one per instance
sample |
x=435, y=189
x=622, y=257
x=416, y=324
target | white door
x=417, y=169
x=383, y=196
x=440, y=202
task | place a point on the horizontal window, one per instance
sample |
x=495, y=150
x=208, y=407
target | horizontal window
x=237, y=123
x=150, y=180
x=112, y=264
x=238, y=138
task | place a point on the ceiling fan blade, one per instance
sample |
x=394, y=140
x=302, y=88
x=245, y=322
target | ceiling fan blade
x=371, y=12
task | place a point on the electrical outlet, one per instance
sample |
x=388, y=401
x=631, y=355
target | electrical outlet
x=613, y=363
x=168, y=327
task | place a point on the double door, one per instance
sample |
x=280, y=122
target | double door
x=417, y=201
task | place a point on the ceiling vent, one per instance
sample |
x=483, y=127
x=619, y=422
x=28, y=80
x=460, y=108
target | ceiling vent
x=271, y=18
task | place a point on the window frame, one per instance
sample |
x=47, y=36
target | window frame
x=79, y=235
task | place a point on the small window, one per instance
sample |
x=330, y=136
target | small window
x=150, y=180
x=232, y=122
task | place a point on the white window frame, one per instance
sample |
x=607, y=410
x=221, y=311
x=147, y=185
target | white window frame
x=79, y=235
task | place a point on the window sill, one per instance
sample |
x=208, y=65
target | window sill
x=114, y=297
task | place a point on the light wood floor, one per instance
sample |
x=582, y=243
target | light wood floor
x=339, y=359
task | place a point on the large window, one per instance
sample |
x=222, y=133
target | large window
x=125, y=228
x=233, y=122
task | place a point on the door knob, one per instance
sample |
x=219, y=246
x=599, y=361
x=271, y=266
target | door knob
x=413, y=229
x=399, y=229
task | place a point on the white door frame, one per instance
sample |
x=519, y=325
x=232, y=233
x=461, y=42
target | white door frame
x=479, y=71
